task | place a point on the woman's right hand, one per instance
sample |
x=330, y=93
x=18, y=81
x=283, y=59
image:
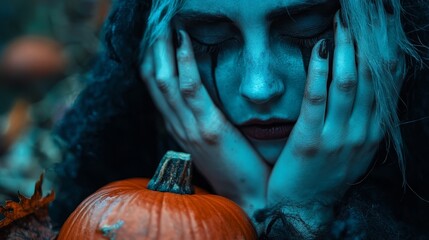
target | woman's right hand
x=218, y=149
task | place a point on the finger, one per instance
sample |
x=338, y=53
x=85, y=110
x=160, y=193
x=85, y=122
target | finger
x=395, y=60
x=311, y=119
x=165, y=68
x=167, y=82
x=147, y=72
x=343, y=87
x=376, y=128
x=363, y=105
x=207, y=115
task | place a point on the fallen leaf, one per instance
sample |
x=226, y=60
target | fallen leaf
x=28, y=218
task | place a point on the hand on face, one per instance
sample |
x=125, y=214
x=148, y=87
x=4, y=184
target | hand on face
x=218, y=150
x=336, y=135
x=330, y=147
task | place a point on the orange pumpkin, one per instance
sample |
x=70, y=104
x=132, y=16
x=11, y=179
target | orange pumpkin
x=166, y=209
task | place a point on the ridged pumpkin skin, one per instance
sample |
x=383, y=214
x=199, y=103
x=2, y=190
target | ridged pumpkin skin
x=147, y=214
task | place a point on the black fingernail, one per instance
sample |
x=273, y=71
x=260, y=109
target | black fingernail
x=343, y=19
x=179, y=39
x=323, y=49
x=388, y=6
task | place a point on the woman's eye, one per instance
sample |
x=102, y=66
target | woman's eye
x=210, y=48
x=305, y=41
x=302, y=42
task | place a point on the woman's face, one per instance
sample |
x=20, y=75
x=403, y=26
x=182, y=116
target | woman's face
x=253, y=57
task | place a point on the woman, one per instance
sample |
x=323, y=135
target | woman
x=287, y=108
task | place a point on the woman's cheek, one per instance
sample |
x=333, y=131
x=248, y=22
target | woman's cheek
x=220, y=76
x=289, y=65
x=229, y=74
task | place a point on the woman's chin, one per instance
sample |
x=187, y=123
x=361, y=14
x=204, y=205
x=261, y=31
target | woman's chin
x=269, y=149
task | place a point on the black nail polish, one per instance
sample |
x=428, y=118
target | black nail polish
x=179, y=39
x=323, y=49
x=343, y=19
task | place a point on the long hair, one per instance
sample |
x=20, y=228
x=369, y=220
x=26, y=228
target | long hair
x=109, y=133
x=372, y=38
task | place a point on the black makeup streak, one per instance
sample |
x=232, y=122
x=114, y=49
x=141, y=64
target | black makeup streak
x=214, y=60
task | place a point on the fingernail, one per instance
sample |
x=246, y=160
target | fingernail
x=179, y=38
x=323, y=49
x=388, y=6
x=343, y=19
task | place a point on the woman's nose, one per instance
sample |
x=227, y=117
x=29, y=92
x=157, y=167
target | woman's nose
x=259, y=84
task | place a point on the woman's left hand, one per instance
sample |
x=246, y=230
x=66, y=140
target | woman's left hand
x=335, y=138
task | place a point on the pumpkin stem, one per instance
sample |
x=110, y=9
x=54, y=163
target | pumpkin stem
x=173, y=174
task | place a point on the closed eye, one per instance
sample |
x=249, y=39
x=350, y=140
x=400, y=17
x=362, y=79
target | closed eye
x=305, y=41
x=210, y=48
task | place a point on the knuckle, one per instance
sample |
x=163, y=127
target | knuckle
x=314, y=98
x=163, y=84
x=210, y=132
x=347, y=83
x=210, y=137
x=308, y=149
x=189, y=88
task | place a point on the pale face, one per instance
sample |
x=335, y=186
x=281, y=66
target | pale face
x=253, y=57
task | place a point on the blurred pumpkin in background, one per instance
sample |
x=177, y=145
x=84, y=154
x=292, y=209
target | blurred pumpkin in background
x=30, y=65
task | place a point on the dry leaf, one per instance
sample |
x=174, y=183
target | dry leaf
x=28, y=218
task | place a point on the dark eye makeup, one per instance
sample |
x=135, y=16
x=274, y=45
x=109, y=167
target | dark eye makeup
x=211, y=48
x=308, y=41
x=200, y=47
x=303, y=42
x=303, y=30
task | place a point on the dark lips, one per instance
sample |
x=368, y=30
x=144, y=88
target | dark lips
x=272, y=129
